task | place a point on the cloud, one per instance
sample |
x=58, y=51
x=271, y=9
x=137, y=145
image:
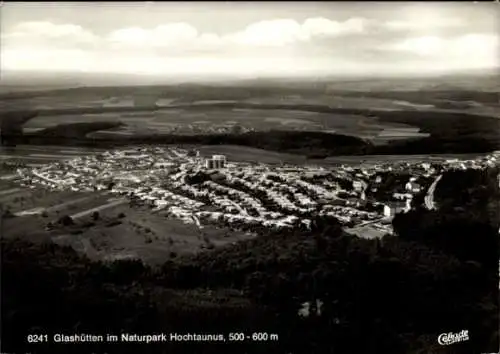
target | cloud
x=278, y=32
x=270, y=33
x=46, y=59
x=467, y=46
x=424, y=23
x=287, y=31
x=39, y=30
x=470, y=51
x=424, y=46
x=269, y=46
x=265, y=33
x=164, y=35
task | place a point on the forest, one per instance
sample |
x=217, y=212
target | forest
x=438, y=273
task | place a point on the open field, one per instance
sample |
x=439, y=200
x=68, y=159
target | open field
x=427, y=119
x=383, y=122
x=368, y=231
x=150, y=236
x=153, y=237
x=191, y=120
x=394, y=158
x=475, y=94
x=26, y=150
x=56, y=202
x=249, y=154
x=388, y=131
x=40, y=155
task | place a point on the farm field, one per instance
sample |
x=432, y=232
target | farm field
x=153, y=237
x=382, y=119
x=249, y=154
x=56, y=202
x=394, y=158
x=192, y=120
x=39, y=155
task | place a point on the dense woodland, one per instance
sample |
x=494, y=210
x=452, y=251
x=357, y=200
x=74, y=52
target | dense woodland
x=439, y=273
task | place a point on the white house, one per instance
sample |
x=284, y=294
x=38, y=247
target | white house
x=357, y=185
x=426, y=165
x=395, y=207
x=412, y=186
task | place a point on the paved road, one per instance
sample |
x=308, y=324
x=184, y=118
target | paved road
x=34, y=211
x=71, y=202
x=39, y=210
x=99, y=208
x=429, y=198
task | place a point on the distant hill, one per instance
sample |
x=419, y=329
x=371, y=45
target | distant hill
x=482, y=80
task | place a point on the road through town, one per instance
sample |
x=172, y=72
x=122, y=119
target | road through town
x=429, y=198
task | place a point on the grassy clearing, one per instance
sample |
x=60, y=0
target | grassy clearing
x=161, y=121
x=124, y=232
x=248, y=154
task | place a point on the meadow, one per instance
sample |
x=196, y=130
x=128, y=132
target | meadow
x=191, y=118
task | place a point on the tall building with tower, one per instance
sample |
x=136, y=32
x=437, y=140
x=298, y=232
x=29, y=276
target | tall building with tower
x=219, y=160
x=215, y=162
x=209, y=164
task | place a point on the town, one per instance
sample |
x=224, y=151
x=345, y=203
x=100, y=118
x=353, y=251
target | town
x=244, y=196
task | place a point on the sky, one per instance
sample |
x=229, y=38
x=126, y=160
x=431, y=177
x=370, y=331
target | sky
x=250, y=39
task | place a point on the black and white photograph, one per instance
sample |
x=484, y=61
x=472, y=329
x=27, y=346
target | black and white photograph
x=250, y=177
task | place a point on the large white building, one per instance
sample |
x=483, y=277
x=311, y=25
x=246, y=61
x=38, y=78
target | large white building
x=215, y=162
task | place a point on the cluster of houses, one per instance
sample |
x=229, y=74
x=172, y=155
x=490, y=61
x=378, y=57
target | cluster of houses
x=237, y=193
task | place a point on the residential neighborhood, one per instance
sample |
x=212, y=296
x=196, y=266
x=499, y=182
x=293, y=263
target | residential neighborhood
x=213, y=190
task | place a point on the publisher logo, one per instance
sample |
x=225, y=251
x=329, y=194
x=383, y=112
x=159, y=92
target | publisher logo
x=451, y=338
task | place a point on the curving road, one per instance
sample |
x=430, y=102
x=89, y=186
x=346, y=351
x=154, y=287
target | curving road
x=429, y=198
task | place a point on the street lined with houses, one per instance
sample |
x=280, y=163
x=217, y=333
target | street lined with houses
x=202, y=190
